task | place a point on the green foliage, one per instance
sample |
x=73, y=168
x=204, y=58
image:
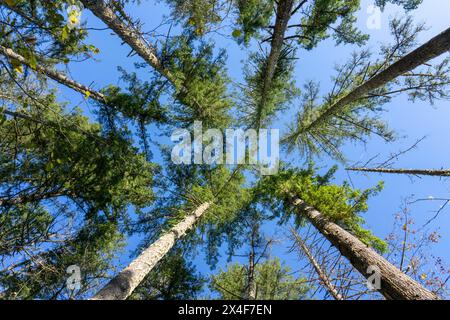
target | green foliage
x=274, y=281
x=201, y=83
x=253, y=15
x=70, y=189
x=199, y=15
x=323, y=15
x=259, y=104
x=43, y=275
x=140, y=102
x=104, y=173
x=65, y=195
x=43, y=26
x=341, y=204
x=140, y=106
x=32, y=218
x=317, y=130
x=407, y=4
x=182, y=188
x=222, y=187
x=353, y=123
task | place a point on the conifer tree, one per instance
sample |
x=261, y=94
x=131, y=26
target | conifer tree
x=273, y=281
x=338, y=220
x=72, y=189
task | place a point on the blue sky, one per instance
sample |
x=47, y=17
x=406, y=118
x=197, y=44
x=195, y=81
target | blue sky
x=411, y=121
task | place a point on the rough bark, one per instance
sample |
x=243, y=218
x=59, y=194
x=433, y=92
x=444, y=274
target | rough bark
x=394, y=284
x=416, y=172
x=322, y=275
x=122, y=285
x=53, y=74
x=128, y=34
x=430, y=50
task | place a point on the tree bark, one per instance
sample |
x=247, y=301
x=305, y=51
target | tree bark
x=416, y=172
x=55, y=75
x=322, y=275
x=250, y=291
x=430, y=50
x=394, y=284
x=284, y=10
x=122, y=285
x=128, y=34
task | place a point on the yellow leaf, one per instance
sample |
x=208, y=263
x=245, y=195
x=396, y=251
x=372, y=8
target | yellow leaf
x=74, y=17
x=87, y=94
x=18, y=69
x=423, y=276
x=236, y=33
x=74, y=20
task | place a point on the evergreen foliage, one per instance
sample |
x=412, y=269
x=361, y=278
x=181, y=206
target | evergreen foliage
x=76, y=184
x=339, y=203
x=274, y=281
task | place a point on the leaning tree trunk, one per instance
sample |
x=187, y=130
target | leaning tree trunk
x=416, y=172
x=53, y=74
x=320, y=272
x=122, y=285
x=129, y=34
x=430, y=50
x=394, y=283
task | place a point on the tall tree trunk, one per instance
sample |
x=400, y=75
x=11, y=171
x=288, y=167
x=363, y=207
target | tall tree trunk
x=416, y=172
x=284, y=9
x=53, y=74
x=283, y=15
x=122, y=285
x=128, y=34
x=250, y=292
x=394, y=283
x=432, y=49
x=320, y=272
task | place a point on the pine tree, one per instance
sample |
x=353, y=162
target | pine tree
x=273, y=282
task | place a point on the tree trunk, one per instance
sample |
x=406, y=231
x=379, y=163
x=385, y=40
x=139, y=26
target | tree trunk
x=322, y=275
x=394, y=283
x=122, y=285
x=53, y=74
x=128, y=34
x=430, y=50
x=418, y=172
x=250, y=291
x=284, y=10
